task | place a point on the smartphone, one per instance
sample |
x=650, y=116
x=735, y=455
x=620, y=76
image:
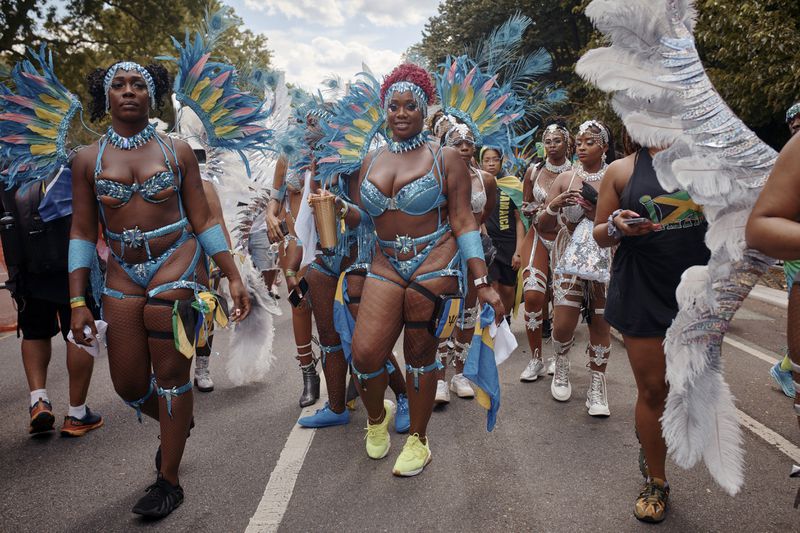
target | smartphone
x=298, y=293
x=589, y=194
x=284, y=228
x=635, y=221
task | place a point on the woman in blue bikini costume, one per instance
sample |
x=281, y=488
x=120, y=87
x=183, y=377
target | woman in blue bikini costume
x=146, y=191
x=418, y=197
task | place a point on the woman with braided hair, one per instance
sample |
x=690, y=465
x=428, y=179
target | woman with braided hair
x=418, y=197
x=146, y=191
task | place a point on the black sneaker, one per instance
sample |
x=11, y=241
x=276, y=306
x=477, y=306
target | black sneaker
x=161, y=499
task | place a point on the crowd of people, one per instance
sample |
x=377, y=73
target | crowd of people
x=383, y=221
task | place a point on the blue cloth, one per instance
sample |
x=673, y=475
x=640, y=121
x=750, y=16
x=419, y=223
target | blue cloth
x=481, y=368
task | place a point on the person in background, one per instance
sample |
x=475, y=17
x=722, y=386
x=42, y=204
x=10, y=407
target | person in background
x=781, y=371
x=36, y=255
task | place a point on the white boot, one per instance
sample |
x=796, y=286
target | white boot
x=202, y=376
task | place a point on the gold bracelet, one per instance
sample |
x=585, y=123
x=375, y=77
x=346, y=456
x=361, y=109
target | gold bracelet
x=290, y=273
x=77, y=304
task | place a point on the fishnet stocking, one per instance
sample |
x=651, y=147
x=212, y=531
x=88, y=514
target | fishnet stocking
x=793, y=333
x=335, y=366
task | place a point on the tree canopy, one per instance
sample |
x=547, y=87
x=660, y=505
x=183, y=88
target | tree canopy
x=751, y=51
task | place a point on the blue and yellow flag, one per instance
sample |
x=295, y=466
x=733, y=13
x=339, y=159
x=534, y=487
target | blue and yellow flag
x=481, y=369
x=512, y=186
x=343, y=320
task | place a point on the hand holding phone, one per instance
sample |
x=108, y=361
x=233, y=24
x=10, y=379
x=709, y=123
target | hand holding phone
x=297, y=296
x=635, y=221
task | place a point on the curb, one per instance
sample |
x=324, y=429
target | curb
x=770, y=296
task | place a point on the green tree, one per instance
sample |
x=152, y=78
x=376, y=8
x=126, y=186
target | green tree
x=751, y=51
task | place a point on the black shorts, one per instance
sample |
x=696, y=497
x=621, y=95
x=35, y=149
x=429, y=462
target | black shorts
x=39, y=319
x=502, y=273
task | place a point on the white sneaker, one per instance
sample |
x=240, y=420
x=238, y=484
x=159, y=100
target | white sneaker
x=560, y=388
x=460, y=385
x=596, y=397
x=442, y=392
x=551, y=366
x=202, y=377
x=532, y=372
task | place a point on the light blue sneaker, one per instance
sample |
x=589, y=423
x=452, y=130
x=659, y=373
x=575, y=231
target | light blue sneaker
x=402, y=420
x=324, y=418
x=784, y=379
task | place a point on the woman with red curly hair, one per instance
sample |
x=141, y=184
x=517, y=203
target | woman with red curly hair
x=418, y=196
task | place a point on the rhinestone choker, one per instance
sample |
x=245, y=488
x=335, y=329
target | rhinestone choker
x=407, y=145
x=131, y=143
x=595, y=176
x=558, y=169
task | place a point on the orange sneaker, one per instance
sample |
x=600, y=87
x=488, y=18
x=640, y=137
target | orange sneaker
x=42, y=418
x=78, y=427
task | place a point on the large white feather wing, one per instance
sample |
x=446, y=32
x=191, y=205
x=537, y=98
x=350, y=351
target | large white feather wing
x=663, y=95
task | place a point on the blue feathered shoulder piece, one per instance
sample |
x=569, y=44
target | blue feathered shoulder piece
x=356, y=121
x=232, y=116
x=34, y=120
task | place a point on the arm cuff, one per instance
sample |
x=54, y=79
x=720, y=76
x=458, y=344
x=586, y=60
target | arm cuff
x=81, y=254
x=213, y=240
x=470, y=245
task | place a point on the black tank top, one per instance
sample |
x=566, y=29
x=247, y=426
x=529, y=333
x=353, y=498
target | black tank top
x=647, y=269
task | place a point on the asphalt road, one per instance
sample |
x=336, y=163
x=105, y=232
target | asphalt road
x=547, y=466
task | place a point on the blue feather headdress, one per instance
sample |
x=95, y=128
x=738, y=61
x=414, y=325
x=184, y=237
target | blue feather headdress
x=233, y=118
x=356, y=121
x=34, y=120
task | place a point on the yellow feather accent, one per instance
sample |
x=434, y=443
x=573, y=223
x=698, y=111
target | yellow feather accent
x=50, y=133
x=44, y=114
x=353, y=153
x=468, y=98
x=479, y=110
x=222, y=130
x=202, y=84
x=373, y=113
x=453, y=96
x=211, y=101
x=362, y=124
x=55, y=102
x=43, y=149
x=355, y=139
x=219, y=114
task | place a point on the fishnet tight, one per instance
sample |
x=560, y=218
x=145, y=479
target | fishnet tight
x=793, y=334
x=132, y=353
x=374, y=338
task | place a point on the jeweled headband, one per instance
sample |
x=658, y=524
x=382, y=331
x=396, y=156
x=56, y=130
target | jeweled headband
x=129, y=66
x=420, y=97
x=458, y=134
x=441, y=119
x=556, y=128
x=793, y=112
x=601, y=137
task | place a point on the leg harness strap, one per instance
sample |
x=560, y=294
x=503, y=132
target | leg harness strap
x=533, y=321
x=325, y=350
x=536, y=280
x=362, y=377
x=468, y=320
x=460, y=351
x=137, y=404
x=436, y=365
x=171, y=393
x=601, y=353
x=563, y=348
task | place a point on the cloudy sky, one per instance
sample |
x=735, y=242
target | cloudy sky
x=312, y=39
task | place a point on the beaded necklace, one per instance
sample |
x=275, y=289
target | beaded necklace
x=131, y=143
x=594, y=176
x=407, y=145
x=558, y=169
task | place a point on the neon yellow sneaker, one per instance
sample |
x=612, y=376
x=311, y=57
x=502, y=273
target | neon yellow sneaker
x=378, y=434
x=414, y=457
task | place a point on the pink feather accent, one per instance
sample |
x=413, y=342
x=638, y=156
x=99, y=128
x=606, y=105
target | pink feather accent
x=243, y=111
x=499, y=102
x=488, y=85
x=451, y=73
x=17, y=117
x=221, y=79
x=35, y=78
x=20, y=100
x=468, y=80
x=194, y=74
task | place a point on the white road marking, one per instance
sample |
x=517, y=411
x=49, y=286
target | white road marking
x=759, y=429
x=740, y=345
x=274, y=502
x=770, y=296
x=783, y=445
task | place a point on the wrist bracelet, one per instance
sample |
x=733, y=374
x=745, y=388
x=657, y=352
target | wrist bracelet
x=550, y=212
x=481, y=282
x=344, y=210
x=613, y=231
x=290, y=273
x=78, y=301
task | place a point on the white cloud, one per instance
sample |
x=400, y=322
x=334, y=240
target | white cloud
x=336, y=13
x=307, y=60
